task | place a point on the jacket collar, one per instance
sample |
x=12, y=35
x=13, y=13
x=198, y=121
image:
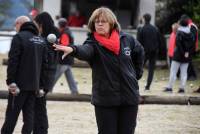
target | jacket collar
x=121, y=35
x=184, y=29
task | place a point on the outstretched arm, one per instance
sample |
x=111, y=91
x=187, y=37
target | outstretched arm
x=83, y=52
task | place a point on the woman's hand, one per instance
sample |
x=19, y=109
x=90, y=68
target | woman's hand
x=67, y=50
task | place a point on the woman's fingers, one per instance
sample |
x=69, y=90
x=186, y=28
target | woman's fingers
x=59, y=47
x=67, y=50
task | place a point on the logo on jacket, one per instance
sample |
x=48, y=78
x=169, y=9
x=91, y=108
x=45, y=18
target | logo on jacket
x=127, y=51
x=36, y=39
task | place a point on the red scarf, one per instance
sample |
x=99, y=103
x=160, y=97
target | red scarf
x=112, y=43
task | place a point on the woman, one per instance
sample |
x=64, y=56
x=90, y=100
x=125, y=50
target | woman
x=46, y=26
x=116, y=60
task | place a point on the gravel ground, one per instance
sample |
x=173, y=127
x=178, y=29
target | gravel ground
x=78, y=117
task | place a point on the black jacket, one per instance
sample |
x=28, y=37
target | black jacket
x=114, y=77
x=184, y=43
x=149, y=37
x=48, y=73
x=69, y=60
x=26, y=58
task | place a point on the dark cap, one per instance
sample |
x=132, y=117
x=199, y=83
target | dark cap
x=62, y=22
x=185, y=16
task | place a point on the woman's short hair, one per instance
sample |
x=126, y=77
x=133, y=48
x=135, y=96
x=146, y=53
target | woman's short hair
x=107, y=14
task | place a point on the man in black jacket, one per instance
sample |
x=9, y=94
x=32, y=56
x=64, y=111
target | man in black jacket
x=26, y=60
x=194, y=30
x=149, y=38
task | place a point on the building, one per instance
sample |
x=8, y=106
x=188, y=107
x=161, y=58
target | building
x=127, y=11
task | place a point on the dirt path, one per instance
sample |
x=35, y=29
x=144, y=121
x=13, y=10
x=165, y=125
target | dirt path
x=78, y=118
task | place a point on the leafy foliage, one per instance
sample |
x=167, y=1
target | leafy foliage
x=169, y=11
x=4, y=5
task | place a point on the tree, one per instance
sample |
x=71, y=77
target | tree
x=169, y=11
x=193, y=9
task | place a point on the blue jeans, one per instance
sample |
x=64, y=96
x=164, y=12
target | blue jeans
x=68, y=75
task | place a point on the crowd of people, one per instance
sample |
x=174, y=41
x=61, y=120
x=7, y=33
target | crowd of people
x=116, y=60
x=183, y=44
x=115, y=57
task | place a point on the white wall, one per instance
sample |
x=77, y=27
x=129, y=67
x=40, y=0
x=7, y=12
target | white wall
x=5, y=44
x=53, y=7
x=148, y=6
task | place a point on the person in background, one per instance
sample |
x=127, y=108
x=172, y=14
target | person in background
x=172, y=42
x=182, y=56
x=149, y=37
x=194, y=30
x=75, y=18
x=46, y=26
x=26, y=60
x=64, y=66
x=116, y=60
x=34, y=12
x=198, y=90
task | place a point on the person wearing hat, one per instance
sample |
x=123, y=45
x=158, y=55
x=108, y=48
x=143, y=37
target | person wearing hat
x=64, y=66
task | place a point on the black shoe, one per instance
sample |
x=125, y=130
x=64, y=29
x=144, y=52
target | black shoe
x=181, y=90
x=168, y=89
x=197, y=91
x=192, y=78
x=146, y=88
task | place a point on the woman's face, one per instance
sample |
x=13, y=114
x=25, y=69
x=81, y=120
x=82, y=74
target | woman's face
x=102, y=26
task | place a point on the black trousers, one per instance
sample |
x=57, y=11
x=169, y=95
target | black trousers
x=116, y=119
x=24, y=101
x=191, y=71
x=151, y=57
x=41, y=119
